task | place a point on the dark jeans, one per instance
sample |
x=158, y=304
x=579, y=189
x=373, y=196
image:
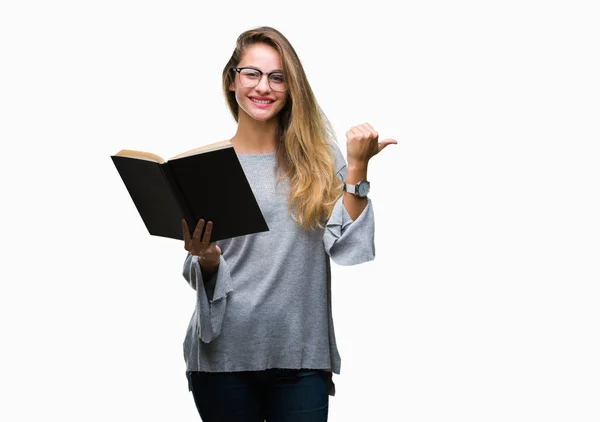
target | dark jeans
x=277, y=395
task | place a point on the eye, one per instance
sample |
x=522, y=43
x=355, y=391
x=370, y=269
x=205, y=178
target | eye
x=277, y=77
x=251, y=74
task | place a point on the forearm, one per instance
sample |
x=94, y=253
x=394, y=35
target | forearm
x=354, y=204
x=207, y=271
x=209, y=277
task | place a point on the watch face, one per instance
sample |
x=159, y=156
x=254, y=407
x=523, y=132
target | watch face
x=363, y=188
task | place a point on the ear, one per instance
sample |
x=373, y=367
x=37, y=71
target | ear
x=231, y=86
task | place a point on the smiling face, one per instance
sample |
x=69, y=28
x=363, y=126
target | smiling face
x=260, y=103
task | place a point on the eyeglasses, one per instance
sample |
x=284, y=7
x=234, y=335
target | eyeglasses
x=251, y=77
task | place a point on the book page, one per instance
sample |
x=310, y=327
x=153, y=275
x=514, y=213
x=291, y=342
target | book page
x=210, y=147
x=142, y=155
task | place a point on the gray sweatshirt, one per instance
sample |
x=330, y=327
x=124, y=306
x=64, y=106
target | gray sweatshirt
x=269, y=303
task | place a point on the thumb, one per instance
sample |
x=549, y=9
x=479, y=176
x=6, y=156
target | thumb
x=218, y=249
x=385, y=143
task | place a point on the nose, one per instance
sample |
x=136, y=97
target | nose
x=263, y=84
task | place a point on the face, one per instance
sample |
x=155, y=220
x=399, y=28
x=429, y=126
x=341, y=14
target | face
x=260, y=103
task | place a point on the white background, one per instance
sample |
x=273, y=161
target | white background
x=482, y=303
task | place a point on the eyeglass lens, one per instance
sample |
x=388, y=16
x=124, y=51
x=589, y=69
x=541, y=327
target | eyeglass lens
x=250, y=78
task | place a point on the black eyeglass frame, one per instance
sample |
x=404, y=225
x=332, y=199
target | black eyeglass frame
x=239, y=69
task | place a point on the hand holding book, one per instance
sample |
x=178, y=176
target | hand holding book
x=209, y=254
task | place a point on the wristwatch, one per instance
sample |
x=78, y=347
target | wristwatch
x=361, y=189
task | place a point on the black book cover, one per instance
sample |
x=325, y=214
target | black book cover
x=209, y=185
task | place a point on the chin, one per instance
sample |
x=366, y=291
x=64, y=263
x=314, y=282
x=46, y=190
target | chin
x=260, y=115
x=263, y=118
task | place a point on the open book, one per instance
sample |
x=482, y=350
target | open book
x=207, y=182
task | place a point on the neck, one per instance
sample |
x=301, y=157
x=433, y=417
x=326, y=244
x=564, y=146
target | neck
x=255, y=137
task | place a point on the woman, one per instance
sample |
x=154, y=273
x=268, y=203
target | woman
x=261, y=344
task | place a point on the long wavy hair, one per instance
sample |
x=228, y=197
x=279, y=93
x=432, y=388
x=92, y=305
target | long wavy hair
x=304, y=153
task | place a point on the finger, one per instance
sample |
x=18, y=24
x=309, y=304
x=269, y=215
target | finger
x=368, y=126
x=364, y=131
x=208, y=232
x=354, y=133
x=186, y=234
x=372, y=130
x=385, y=143
x=198, y=232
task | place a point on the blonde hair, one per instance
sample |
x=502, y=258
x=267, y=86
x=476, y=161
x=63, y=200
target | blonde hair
x=304, y=153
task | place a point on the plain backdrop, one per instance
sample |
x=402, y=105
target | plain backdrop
x=482, y=302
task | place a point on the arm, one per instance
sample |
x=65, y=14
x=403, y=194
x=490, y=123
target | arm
x=361, y=145
x=212, y=280
x=354, y=204
x=207, y=252
x=350, y=230
x=209, y=277
x=347, y=240
x=211, y=296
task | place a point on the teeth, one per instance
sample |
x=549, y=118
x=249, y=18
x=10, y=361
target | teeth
x=261, y=101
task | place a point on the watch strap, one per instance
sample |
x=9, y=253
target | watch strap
x=354, y=189
x=350, y=188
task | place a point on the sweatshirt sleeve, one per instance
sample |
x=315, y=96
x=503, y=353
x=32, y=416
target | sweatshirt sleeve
x=211, y=296
x=347, y=241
